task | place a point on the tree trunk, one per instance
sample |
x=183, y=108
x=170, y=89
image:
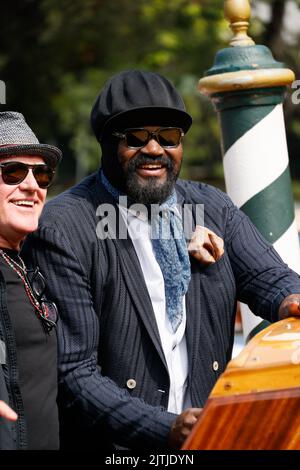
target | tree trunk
x=273, y=34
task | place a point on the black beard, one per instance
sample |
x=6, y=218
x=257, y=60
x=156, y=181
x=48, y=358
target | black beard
x=151, y=191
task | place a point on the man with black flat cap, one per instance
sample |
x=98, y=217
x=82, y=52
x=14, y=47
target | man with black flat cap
x=146, y=329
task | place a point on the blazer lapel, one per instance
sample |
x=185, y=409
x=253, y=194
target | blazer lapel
x=134, y=279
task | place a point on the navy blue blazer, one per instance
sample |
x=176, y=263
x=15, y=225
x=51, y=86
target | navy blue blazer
x=107, y=330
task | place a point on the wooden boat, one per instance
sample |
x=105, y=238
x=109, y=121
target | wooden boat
x=255, y=404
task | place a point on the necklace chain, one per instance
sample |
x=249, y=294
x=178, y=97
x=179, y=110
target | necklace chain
x=19, y=269
x=11, y=261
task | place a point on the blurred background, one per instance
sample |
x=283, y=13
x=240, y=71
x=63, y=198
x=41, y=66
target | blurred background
x=55, y=55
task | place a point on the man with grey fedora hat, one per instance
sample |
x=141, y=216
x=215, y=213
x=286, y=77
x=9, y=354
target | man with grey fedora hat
x=146, y=327
x=28, y=344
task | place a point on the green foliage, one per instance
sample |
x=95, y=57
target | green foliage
x=56, y=54
x=74, y=46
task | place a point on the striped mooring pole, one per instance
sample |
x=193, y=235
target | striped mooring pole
x=247, y=86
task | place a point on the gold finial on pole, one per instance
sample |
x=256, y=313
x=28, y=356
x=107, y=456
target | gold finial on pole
x=238, y=13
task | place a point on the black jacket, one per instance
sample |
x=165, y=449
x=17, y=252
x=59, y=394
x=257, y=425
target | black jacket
x=12, y=434
x=107, y=329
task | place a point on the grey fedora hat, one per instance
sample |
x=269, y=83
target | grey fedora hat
x=16, y=138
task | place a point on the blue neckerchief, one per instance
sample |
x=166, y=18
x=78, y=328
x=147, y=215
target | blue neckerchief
x=170, y=251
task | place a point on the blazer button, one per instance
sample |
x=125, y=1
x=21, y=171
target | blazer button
x=215, y=365
x=131, y=383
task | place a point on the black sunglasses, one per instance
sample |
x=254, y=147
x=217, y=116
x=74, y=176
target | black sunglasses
x=167, y=137
x=16, y=172
x=48, y=309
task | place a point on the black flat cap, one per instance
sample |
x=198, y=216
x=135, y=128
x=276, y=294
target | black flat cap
x=135, y=98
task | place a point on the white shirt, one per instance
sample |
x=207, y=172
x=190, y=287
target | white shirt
x=173, y=344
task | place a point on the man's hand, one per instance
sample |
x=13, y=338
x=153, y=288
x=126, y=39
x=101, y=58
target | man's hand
x=205, y=246
x=290, y=307
x=6, y=412
x=182, y=427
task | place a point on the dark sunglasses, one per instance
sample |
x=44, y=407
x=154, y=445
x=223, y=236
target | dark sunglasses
x=16, y=172
x=49, y=311
x=167, y=137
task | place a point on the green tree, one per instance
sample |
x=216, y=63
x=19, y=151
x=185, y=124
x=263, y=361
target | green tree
x=56, y=54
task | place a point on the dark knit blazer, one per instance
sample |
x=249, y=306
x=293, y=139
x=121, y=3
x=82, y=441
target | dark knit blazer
x=113, y=376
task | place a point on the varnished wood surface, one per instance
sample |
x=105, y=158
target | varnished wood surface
x=255, y=404
x=270, y=361
x=262, y=421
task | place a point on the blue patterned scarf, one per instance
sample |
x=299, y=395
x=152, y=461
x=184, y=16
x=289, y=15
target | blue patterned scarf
x=170, y=251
